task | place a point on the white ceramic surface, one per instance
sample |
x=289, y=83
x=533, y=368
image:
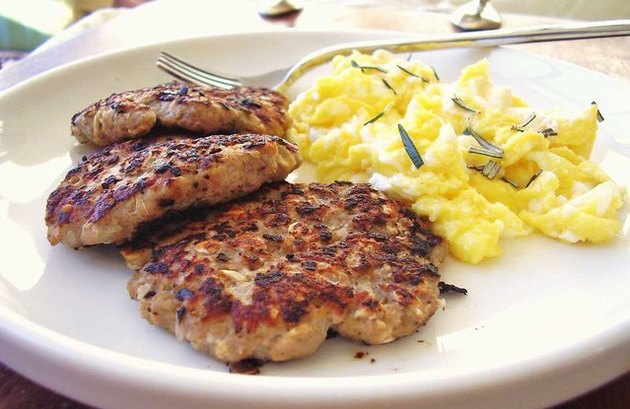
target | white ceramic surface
x=544, y=322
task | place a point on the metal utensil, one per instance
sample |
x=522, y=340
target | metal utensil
x=283, y=78
x=475, y=16
x=279, y=9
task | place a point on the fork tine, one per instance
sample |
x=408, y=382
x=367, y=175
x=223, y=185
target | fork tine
x=188, y=76
x=234, y=82
x=183, y=73
x=180, y=75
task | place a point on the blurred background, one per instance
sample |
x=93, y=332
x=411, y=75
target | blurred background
x=29, y=25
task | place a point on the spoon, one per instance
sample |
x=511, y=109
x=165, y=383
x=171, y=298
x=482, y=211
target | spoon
x=281, y=8
x=476, y=15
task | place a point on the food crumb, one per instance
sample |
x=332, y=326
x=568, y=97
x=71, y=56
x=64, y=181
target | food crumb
x=246, y=366
x=372, y=360
x=420, y=341
x=360, y=354
x=448, y=288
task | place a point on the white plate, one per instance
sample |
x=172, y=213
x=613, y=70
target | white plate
x=542, y=323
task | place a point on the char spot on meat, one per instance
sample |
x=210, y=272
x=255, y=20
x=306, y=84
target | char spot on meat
x=264, y=280
x=222, y=257
x=180, y=313
x=216, y=302
x=149, y=294
x=73, y=121
x=377, y=236
x=157, y=268
x=251, y=227
x=133, y=165
x=166, y=202
x=293, y=311
x=420, y=246
x=110, y=180
x=175, y=171
x=305, y=208
x=123, y=193
x=167, y=95
x=63, y=218
x=272, y=237
x=183, y=294
x=325, y=235
x=103, y=206
x=250, y=103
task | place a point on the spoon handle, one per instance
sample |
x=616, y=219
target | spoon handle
x=569, y=31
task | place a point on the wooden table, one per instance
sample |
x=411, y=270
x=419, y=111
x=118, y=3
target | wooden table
x=165, y=21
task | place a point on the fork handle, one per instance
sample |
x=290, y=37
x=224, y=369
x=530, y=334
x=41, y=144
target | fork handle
x=572, y=31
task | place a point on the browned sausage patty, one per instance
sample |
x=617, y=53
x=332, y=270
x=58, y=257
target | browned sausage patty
x=113, y=192
x=197, y=109
x=266, y=276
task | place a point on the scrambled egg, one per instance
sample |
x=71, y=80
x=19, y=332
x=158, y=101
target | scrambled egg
x=532, y=173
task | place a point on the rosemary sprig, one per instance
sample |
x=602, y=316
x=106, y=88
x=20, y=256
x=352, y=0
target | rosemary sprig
x=533, y=178
x=435, y=74
x=600, y=117
x=521, y=128
x=367, y=67
x=389, y=86
x=478, y=168
x=510, y=182
x=490, y=170
x=406, y=71
x=380, y=114
x=548, y=132
x=460, y=103
x=483, y=142
x=485, y=152
x=413, y=153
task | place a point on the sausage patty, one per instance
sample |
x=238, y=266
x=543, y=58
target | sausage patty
x=202, y=110
x=111, y=193
x=266, y=276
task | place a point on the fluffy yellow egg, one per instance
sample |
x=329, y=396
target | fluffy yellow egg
x=491, y=167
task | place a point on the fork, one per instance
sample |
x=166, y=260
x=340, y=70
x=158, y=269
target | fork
x=283, y=79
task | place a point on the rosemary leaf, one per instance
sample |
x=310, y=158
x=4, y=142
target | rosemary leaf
x=548, y=132
x=483, y=142
x=491, y=169
x=409, y=57
x=435, y=74
x=533, y=178
x=403, y=69
x=460, y=103
x=478, y=168
x=367, y=67
x=600, y=117
x=529, y=120
x=413, y=153
x=510, y=182
x=521, y=128
x=380, y=114
x=486, y=152
x=389, y=86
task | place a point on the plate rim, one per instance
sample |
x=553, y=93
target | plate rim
x=32, y=334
